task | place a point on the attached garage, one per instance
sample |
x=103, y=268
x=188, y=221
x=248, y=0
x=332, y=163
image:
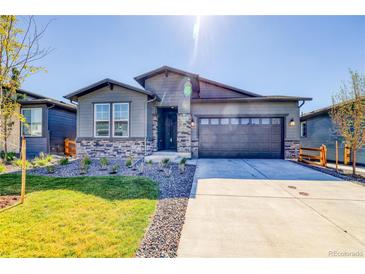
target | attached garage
x=241, y=137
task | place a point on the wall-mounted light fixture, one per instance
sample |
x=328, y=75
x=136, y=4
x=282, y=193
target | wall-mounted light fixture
x=192, y=122
x=291, y=122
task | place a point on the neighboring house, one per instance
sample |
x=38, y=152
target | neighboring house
x=317, y=128
x=49, y=122
x=180, y=111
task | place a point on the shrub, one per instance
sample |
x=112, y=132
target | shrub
x=18, y=163
x=149, y=162
x=63, y=161
x=2, y=168
x=183, y=161
x=51, y=169
x=40, y=162
x=49, y=158
x=115, y=169
x=8, y=157
x=165, y=162
x=86, y=160
x=84, y=168
x=104, y=162
x=128, y=162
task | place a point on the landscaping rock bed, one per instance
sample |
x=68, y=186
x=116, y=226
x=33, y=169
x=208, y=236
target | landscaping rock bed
x=162, y=237
x=8, y=200
x=330, y=171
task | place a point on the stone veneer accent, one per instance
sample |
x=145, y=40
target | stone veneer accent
x=154, y=131
x=184, y=132
x=113, y=148
x=291, y=149
x=195, y=148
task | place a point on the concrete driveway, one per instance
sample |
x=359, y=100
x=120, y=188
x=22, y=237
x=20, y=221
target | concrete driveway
x=271, y=208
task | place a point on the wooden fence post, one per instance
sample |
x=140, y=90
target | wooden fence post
x=336, y=155
x=24, y=169
x=300, y=153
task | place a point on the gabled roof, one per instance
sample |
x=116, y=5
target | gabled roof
x=315, y=113
x=142, y=78
x=253, y=99
x=32, y=94
x=49, y=102
x=103, y=83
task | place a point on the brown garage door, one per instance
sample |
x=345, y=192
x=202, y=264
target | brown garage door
x=241, y=137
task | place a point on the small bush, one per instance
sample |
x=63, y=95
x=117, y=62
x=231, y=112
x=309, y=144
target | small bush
x=183, y=161
x=128, y=162
x=165, y=162
x=84, y=169
x=42, y=155
x=63, y=161
x=149, y=162
x=18, y=163
x=8, y=157
x=86, y=160
x=40, y=162
x=2, y=168
x=49, y=158
x=104, y=162
x=114, y=169
x=51, y=169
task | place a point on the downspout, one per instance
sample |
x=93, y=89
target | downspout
x=145, y=122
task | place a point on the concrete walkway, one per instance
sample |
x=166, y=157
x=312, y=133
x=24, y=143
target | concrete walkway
x=271, y=208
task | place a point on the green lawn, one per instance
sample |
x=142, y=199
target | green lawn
x=76, y=217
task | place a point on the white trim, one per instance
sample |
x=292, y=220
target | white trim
x=120, y=120
x=22, y=124
x=105, y=104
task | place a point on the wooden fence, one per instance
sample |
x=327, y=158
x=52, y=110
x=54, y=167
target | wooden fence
x=70, y=147
x=320, y=159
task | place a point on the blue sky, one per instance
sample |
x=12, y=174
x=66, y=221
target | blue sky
x=270, y=55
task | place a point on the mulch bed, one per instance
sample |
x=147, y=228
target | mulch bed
x=162, y=238
x=8, y=200
x=331, y=171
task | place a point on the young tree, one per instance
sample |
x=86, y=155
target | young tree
x=348, y=113
x=19, y=49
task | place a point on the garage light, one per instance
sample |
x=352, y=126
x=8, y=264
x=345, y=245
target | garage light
x=292, y=122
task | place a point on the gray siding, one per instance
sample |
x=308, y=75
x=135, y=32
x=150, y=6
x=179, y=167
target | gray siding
x=137, y=119
x=321, y=130
x=288, y=110
x=211, y=91
x=170, y=89
x=61, y=125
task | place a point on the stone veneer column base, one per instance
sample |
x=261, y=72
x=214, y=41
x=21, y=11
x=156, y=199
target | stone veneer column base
x=291, y=149
x=113, y=148
x=184, y=132
x=195, y=149
x=154, y=131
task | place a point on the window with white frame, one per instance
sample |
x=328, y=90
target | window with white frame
x=33, y=125
x=120, y=119
x=303, y=129
x=101, y=120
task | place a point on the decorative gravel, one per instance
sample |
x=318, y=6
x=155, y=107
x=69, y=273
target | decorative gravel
x=330, y=171
x=162, y=237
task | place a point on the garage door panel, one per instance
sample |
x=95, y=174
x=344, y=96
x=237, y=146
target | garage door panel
x=262, y=140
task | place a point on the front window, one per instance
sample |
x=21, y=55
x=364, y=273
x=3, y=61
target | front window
x=102, y=120
x=33, y=126
x=303, y=129
x=121, y=120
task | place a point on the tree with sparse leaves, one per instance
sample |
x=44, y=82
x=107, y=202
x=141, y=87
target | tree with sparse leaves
x=348, y=113
x=19, y=49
